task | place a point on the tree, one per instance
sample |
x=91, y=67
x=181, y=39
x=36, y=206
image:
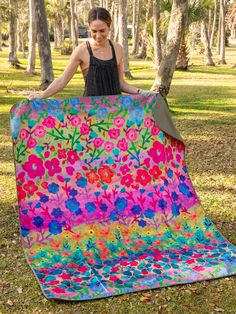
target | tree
x=12, y=57
x=156, y=32
x=74, y=35
x=32, y=35
x=213, y=28
x=0, y=34
x=143, y=51
x=208, y=53
x=47, y=75
x=123, y=36
x=222, y=32
x=176, y=28
x=135, y=26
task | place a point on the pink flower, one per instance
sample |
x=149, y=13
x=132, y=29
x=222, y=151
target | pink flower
x=143, y=177
x=31, y=143
x=148, y=122
x=108, y=146
x=169, y=154
x=115, y=268
x=124, y=169
x=53, y=166
x=70, y=170
x=114, y=133
x=75, y=121
x=84, y=129
x=30, y=187
x=127, y=180
x=147, y=162
x=133, y=263
x=21, y=193
x=65, y=276
x=119, y=121
x=58, y=290
x=61, y=153
x=122, y=145
x=97, y=142
x=72, y=156
x=49, y=122
x=124, y=263
x=178, y=157
x=155, y=130
x=190, y=261
x=114, y=278
x=155, y=172
x=131, y=135
x=23, y=134
x=157, y=152
x=39, y=131
x=83, y=269
x=34, y=167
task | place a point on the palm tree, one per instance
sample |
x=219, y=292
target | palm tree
x=47, y=75
x=32, y=35
x=12, y=57
x=74, y=36
x=156, y=32
x=222, y=32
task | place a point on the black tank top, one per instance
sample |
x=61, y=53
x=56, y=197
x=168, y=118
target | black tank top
x=102, y=77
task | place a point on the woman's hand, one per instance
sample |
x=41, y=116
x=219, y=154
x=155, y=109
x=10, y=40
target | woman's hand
x=35, y=95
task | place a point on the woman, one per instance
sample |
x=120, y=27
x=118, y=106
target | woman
x=100, y=61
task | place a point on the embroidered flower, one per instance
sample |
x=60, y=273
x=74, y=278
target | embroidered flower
x=31, y=143
x=108, y=146
x=49, y=122
x=119, y=121
x=34, y=167
x=75, y=121
x=97, y=142
x=92, y=176
x=30, y=187
x=127, y=180
x=105, y=174
x=23, y=134
x=131, y=135
x=122, y=145
x=114, y=133
x=39, y=131
x=143, y=177
x=157, y=152
x=72, y=156
x=84, y=129
x=53, y=166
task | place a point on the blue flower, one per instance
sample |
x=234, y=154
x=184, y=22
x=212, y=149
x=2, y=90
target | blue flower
x=38, y=149
x=24, y=232
x=91, y=207
x=142, y=223
x=38, y=221
x=73, y=192
x=57, y=212
x=136, y=210
x=136, y=114
x=166, y=182
x=74, y=101
x=53, y=188
x=175, y=209
x=103, y=207
x=162, y=188
x=44, y=198
x=182, y=178
x=82, y=182
x=150, y=194
x=15, y=127
x=79, y=147
x=116, y=151
x=185, y=169
x=126, y=101
x=53, y=108
x=93, y=134
x=97, y=193
x=37, y=104
x=120, y=203
x=175, y=196
x=170, y=173
x=184, y=189
x=102, y=113
x=149, y=213
x=162, y=203
x=113, y=216
x=24, y=211
x=142, y=191
x=55, y=227
x=72, y=204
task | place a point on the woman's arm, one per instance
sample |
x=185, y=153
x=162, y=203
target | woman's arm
x=59, y=83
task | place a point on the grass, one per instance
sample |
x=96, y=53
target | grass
x=203, y=102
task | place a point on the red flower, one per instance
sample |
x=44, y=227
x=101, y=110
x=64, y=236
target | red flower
x=144, y=271
x=190, y=261
x=143, y=177
x=61, y=153
x=30, y=187
x=114, y=278
x=72, y=156
x=78, y=280
x=34, y=167
x=199, y=268
x=65, y=276
x=169, y=154
x=155, y=172
x=124, y=263
x=127, y=180
x=134, y=263
x=124, y=169
x=83, y=269
x=115, y=268
x=54, y=282
x=92, y=176
x=21, y=193
x=58, y=290
x=105, y=174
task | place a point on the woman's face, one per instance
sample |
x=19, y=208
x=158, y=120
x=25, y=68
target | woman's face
x=99, y=31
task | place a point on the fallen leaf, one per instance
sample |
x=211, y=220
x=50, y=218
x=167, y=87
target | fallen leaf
x=19, y=290
x=145, y=299
x=218, y=309
x=9, y=302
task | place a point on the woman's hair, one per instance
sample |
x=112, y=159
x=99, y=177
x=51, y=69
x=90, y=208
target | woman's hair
x=99, y=13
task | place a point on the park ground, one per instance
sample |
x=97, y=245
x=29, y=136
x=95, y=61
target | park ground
x=203, y=105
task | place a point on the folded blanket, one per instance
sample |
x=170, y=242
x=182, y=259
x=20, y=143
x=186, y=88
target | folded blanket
x=105, y=201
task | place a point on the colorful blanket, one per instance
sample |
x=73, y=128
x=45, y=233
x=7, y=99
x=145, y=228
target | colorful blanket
x=105, y=201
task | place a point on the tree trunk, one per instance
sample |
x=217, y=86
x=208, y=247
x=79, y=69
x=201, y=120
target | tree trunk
x=58, y=31
x=47, y=75
x=218, y=37
x=143, y=52
x=115, y=24
x=213, y=25
x=0, y=35
x=208, y=53
x=73, y=25
x=123, y=36
x=12, y=57
x=182, y=59
x=135, y=26
x=91, y=4
x=32, y=35
x=222, y=33
x=176, y=28
x=156, y=33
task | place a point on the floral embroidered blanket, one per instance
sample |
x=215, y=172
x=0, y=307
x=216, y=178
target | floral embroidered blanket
x=106, y=205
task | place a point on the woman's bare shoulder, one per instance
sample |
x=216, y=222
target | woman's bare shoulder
x=119, y=51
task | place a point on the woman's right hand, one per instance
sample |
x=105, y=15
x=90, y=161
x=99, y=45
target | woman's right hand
x=35, y=95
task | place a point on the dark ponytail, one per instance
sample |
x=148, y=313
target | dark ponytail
x=101, y=14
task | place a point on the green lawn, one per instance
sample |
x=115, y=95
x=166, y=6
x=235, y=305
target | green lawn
x=203, y=102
